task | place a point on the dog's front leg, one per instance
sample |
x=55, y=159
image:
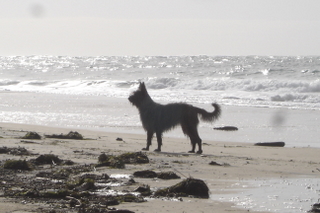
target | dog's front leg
x=159, y=140
x=149, y=140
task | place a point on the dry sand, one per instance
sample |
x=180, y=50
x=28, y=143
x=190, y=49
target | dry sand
x=242, y=162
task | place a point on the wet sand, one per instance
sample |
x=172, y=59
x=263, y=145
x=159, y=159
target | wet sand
x=239, y=162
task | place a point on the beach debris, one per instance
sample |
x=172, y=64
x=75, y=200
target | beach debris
x=24, y=141
x=144, y=190
x=151, y=174
x=315, y=208
x=226, y=128
x=189, y=187
x=17, y=165
x=32, y=135
x=120, y=211
x=70, y=135
x=214, y=163
x=134, y=158
x=110, y=161
x=119, y=139
x=48, y=159
x=14, y=151
x=168, y=175
x=272, y=144
x=145, y=174
x=120, y=160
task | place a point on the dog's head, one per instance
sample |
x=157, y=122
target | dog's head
x=139, y=95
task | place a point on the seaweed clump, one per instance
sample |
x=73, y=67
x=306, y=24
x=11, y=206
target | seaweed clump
x=32, y=135
x=121, y=160
x=189, y=187
x=110, y=161
x=48, y=159
x=134, y=157
x=152, y=174
x=145, y=174
x=70, y=135
x=14, y=151
x=168, y=175
x=17, y=165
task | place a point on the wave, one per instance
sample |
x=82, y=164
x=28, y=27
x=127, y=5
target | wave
x=227, y=84
x=209, y=84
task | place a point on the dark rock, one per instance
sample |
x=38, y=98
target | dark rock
x=188, y=187
x=315, y=208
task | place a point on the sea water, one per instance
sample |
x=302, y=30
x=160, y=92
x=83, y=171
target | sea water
x=269, y=98
x=293, y=195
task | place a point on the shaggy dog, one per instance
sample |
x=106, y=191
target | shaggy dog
x=157, y=118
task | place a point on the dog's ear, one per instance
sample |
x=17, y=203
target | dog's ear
x=142, y=87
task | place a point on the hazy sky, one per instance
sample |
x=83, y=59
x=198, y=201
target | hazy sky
x=159, y=27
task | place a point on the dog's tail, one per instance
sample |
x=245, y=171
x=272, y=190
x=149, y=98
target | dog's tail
x=210, y=116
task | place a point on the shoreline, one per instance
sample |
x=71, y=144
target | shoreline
x=243, y=162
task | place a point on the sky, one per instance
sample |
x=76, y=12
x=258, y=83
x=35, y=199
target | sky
x=159, y=27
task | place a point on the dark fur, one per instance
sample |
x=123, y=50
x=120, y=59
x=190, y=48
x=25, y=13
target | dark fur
x=157, y=118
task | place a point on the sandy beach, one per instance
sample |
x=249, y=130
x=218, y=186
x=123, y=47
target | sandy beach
x=225, y=167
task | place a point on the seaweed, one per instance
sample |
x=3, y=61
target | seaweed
x=70, y=135
x=32, y=135
x=110, y=161
x=14, y=151
x=121, y=160
x=145, y=174
x=48, y=159
x=17, y=165
x=134, y=157
x=168, y=175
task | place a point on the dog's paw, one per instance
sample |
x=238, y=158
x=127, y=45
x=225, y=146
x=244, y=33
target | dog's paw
x=191, y=151
x=199, y=152
x=145, y=149
x=157, y=150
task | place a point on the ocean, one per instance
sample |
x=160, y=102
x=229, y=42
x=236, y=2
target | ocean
x=269, y=98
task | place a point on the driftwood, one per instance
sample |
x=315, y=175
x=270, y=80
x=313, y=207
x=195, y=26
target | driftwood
x=273, y=144
x=226, y=128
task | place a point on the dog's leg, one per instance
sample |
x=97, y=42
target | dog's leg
x=159, y=140
x=149, y=139
x=195, y=139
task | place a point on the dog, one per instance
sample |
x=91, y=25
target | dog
x=158, y=118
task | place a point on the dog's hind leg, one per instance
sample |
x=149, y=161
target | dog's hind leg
x=159, y=140
x=195, y=139
x=189, y=127
x=149, y=140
